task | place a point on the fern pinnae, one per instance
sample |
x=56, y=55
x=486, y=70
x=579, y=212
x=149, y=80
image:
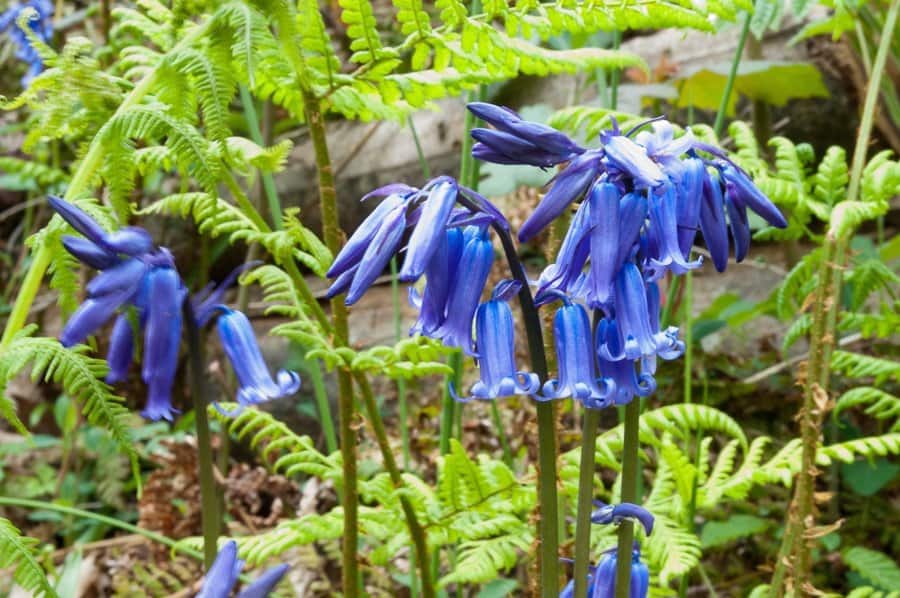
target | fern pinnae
x=857, y=365
x=868, y=447
x=879, y=404
x=17, y=551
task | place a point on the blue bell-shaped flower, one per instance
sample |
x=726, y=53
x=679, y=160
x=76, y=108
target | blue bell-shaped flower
x=495, y=343
x=574, y=354
x=242, y=350
x=465, y=292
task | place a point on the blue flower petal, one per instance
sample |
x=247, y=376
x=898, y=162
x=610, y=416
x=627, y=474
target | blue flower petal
x=355, y=248
x=748, y=194
x=568, y=186
x=88, y=252
x=130, y=240
x=121, y=350
x=604, y=241
x=241, y=348
x=121, y=277
x=265, y=583
x=223, y=573
x=429, y=230
x=91, y=315
x=162, y=337
x=712, y=222
x=378, y=253
x=78, y=219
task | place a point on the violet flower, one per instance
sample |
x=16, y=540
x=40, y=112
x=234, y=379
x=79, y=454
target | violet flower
x=517, y=141
x=426, y=212
x=225, y=570
x=495, y=344
x=256, y=384
x=574, y=354
x=602, y=578
x=465, y=291
x=138, y=283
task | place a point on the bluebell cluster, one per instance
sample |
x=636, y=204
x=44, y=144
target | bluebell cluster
x=139, y=285
x=642, y=196
x=223, y=575
x=41, y=25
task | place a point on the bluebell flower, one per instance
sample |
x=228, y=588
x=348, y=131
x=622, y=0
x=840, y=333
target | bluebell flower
x=664, y=234
x=602, y=578
x=621, y=371
x=517, y=141
x=713, y=224
x=41, y=26
x=439, y=274
x=615, y=514
x=255, y=381
x=637, y=321
x=627, y=159
x=225, y=570
x=427, y=212
x=465, y=293
x=575, y=358
x=496, y=351
x=566, y=187
x=139, y=285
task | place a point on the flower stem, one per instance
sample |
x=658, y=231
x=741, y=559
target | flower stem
x=256, y=135
x=548, y=522
x=591, y=421
x=416, y=531
x=332, y=234
x=454, y=360
x=211, y=514
x=628, y=494
x=732, y=75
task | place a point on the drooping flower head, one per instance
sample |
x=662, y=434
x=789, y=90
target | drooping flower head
x=425, y=213
x=223, y=575
x=41, y=24
x=577, y=366
x=139, y=285
x=495, y=343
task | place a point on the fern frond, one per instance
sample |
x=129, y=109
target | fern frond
x=880, y=404
x=791, y=293
x=874, y=566
x=869, y=276
x=673, y=551
x=17, y=551
x=832, y=176
x=868, y=447
x=78, y=373
x=480, y=561
x=798, y=329
x=856, y=365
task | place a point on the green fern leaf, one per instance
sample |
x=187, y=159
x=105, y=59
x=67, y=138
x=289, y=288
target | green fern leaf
x=798, y=329
x=881, y=405
x=874, y=566
x=360, y=21
x=832, y=176
x=868, y=447
x=856, y=365
x=673, y=551
x=17, y=552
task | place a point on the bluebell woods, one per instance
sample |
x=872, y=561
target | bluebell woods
x=139, y=284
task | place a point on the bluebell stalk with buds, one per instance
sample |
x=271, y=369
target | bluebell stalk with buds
x=223, y=576
x=139, y=285
x=640, y=199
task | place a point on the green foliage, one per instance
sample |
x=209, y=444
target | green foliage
x=719, y=533
x=856, y=365
x=875, y=567
x=80, y=376
x=17, y=552
x=879, y=404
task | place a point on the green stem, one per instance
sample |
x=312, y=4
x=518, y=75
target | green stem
x=402, y=406
x=314, y=370
x=504, y=442
x=416, y=531
x=628, y=494
x=423, y=161
x=256, y=135
x=732, y=75
x=110, y=521
x=332, y=234
x=585, y=500
x=615, y=75
x=210, y=514
x=688, y=334
x=447, y=403
x=80, y=182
